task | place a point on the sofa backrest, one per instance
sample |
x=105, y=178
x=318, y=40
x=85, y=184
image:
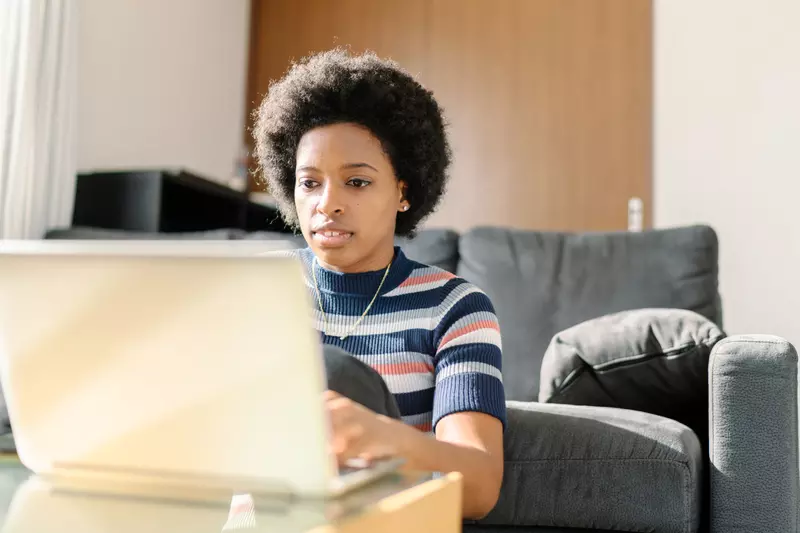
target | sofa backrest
x=435, y=247
x=544, y=282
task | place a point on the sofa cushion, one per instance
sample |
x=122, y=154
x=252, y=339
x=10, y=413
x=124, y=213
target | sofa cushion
x=598, y=468
x=651, y=360
x=545, y=282
x=435, y=247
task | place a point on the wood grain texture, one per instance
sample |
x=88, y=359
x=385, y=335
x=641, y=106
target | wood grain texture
x=549, y=101
x=288, y=30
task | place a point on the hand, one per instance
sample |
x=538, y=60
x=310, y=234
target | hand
x=357, y=431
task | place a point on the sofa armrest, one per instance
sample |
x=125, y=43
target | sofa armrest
x=600, y=468
x=753, y=435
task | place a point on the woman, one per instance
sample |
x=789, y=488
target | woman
x=354, y=150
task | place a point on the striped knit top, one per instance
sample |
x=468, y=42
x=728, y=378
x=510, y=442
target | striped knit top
x=432, y=336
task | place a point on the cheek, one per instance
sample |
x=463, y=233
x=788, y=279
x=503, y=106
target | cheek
x=376, y=216
x=303, y=204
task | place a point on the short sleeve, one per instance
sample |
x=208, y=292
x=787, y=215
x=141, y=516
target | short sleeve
x=468, y=367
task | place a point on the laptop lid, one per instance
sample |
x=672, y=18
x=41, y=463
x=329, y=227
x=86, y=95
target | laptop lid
x=137, y=361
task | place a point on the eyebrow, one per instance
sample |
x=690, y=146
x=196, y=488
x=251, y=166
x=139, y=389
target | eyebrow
x=345, y=166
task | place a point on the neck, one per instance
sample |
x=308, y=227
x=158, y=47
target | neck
x=378, y=260
x=362, y=283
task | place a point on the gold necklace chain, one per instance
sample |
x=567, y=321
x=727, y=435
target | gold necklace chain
x=319, y=300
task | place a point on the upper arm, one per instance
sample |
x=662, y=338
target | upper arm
x=468, y=360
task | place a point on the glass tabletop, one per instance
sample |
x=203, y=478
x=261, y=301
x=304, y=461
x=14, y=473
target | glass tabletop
x=33, y=504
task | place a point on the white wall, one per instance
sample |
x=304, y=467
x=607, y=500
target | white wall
x=162, y=83
x=727, y=147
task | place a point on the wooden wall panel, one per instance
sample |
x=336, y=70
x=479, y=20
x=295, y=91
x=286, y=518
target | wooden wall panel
x=474, y=50
x=283, y=31
x=549, y=101
x=287, y=30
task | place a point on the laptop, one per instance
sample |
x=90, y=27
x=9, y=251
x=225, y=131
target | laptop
x=173, y=365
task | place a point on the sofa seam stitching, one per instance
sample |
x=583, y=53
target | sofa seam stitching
x=604, y=460
x=735, y=340
x=570, y=379
x=724, y=352
x=678, y=351
x=574, y=374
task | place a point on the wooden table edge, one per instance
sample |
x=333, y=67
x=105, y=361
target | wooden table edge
x=435, y=506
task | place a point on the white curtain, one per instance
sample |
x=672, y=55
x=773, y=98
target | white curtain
x=38, y=113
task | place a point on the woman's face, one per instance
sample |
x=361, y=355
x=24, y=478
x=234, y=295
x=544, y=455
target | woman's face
x=347, y=197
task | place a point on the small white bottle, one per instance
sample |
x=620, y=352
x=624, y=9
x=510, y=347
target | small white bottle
x=635, y=214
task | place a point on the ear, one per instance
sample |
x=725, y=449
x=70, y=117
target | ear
x=403, y=204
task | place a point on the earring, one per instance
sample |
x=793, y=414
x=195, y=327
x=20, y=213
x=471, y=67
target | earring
x=405, y=207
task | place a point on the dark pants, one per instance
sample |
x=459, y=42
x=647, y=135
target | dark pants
x=358, y=381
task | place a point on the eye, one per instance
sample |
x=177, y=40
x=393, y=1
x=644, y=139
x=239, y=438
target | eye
x=307, y=184
x=358, y=183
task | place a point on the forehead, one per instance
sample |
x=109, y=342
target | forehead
x=338, y=144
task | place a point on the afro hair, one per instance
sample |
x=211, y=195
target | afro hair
x=337, y=87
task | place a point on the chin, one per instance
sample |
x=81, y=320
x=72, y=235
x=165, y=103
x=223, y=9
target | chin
x=335, y=256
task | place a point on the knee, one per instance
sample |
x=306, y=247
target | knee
x=342, y=369
x=358, y=381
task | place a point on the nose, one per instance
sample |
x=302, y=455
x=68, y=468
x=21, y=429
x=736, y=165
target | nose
x=331, y=201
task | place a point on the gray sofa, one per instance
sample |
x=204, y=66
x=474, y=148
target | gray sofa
x=572, y=468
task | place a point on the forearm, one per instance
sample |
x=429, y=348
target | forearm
x=478, y=467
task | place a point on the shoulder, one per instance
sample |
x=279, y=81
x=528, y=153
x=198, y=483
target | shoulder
x=444, y=291
x=422, y=279
x=460, y=308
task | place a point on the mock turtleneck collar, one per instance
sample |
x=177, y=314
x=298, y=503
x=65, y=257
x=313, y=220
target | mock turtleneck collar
x=358, y=284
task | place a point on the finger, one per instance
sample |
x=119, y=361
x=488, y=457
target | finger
x=349, y=440
x=335, y=401
x=359, y=462
x=341, y=408
x=344, y=428
x=353, y=455
x=331, y=395
x=343, y=456
x=349, y=454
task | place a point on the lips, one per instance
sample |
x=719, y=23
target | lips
x=332, y=238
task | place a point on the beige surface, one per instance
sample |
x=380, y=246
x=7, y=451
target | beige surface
x=167, y=382
x=180, y=66
x=549, y=101
x=727, y=121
